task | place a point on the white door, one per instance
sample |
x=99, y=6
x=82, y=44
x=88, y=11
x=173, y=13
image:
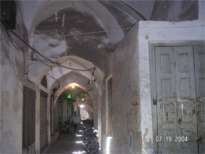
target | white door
x=200, y=91
x=186, y=105
x=175, y=105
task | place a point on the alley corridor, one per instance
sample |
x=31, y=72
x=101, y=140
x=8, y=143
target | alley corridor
x=102, y=76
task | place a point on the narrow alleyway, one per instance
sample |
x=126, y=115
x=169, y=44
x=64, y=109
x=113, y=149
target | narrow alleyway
x=102, y=77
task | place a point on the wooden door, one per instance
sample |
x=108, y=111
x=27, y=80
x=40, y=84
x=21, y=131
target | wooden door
x=186, y=105
x=200, y=99
x=166, y=99
x=175, y=85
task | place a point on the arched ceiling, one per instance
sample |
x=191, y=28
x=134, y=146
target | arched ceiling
x=35, y=12
x=38, y=69
x=83, y=35
x=83, y=28
x=56, y=73
x=89, y=29
x=71, y=77
x=61, y=85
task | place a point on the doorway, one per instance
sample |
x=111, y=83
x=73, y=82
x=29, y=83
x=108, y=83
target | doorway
x=178, y=105
x=43, y=121
x=28, y=118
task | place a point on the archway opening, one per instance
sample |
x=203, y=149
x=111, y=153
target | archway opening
x=74, y=105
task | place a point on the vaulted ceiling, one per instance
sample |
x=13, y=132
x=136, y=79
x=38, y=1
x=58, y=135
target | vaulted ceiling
x=84, y=36
x=93, y=29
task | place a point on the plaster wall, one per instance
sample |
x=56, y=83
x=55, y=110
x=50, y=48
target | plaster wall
x=125, y=120
x=13, y=68
x=166, y=33
x=11, y=98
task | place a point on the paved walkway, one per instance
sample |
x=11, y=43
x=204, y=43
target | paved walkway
x=67, y=144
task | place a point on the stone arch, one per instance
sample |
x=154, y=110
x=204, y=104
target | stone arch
x=36, y=75
x=40, y=10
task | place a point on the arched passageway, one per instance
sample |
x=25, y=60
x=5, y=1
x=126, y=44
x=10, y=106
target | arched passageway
x=77, y=76
x=73, y=107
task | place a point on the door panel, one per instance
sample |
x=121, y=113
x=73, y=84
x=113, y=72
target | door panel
x=185, y=89
x=200, y=88
x=175, y=103
x=166, y=99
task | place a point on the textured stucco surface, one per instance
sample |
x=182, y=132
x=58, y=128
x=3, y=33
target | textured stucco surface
x=125, y=124
x=10, y=100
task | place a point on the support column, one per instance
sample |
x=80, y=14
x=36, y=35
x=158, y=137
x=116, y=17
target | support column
x=104, y=117
x=37, y=133
x=10, y=99
x=99, y=110
x=49, y=118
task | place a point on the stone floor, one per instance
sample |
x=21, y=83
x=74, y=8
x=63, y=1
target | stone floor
x=67, y=144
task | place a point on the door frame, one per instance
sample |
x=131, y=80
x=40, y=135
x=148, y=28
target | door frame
x=153, y=79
